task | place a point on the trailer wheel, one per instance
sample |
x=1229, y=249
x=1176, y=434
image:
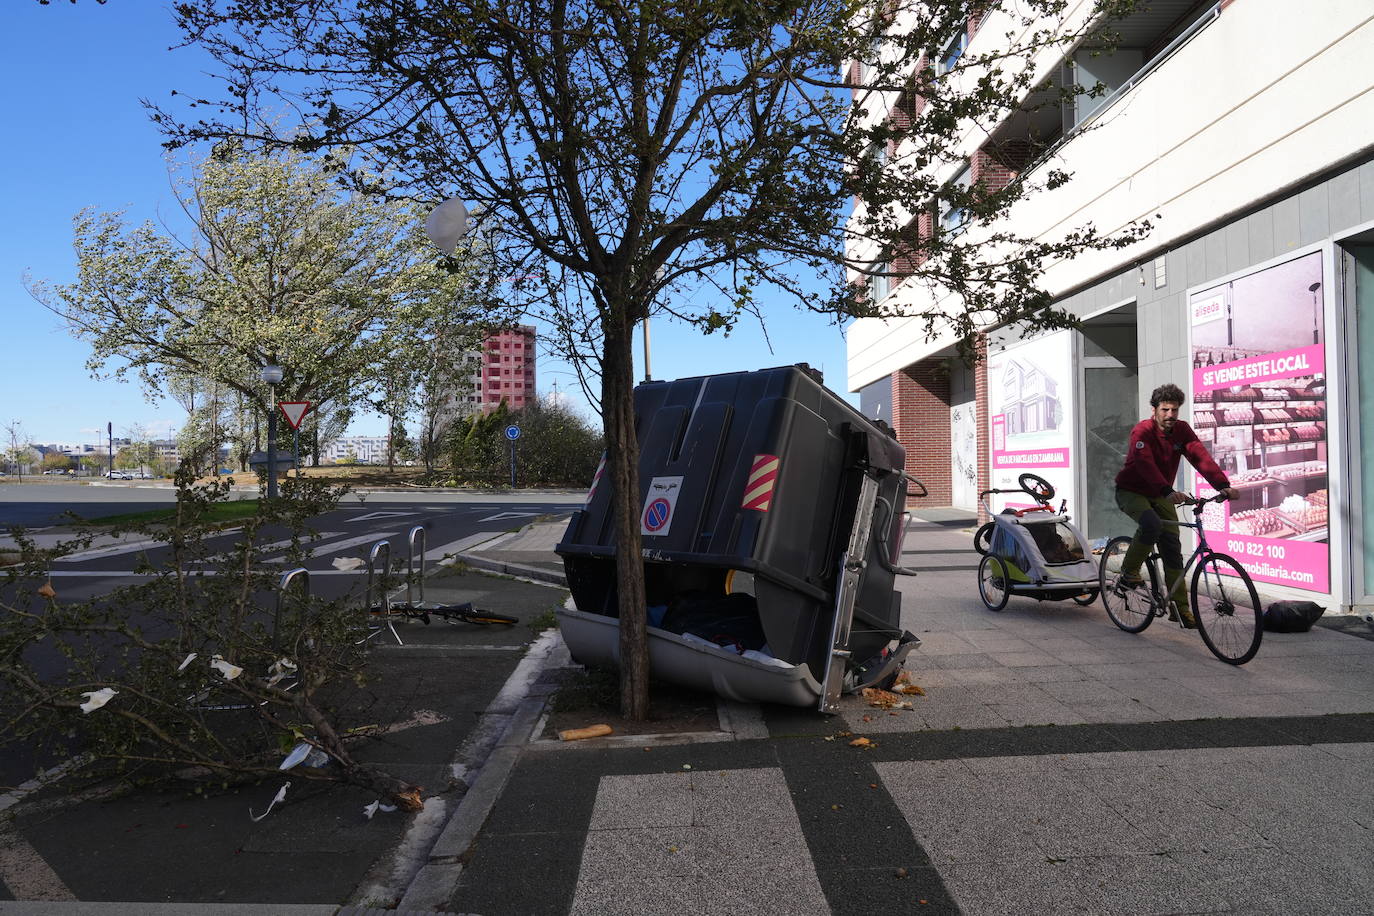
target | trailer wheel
x=992, y=582
x=982, y=539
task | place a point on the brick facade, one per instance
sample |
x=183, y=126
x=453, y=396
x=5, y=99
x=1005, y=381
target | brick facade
x=980, y=398
x=920, y=415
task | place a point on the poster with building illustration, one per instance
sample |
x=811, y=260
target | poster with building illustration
x=963, y=442
x=1259, y=405
x=1030, y=411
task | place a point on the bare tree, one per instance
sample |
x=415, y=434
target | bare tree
x=18, y=447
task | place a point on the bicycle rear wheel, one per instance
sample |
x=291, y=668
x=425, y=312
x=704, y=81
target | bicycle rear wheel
x=1131, y=609
x=1227, y=609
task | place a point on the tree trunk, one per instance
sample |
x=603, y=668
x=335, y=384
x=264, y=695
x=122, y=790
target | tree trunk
x=622, y=463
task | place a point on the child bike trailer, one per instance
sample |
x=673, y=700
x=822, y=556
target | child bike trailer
x=1035, y=552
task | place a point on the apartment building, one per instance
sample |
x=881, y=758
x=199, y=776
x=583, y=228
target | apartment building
x=1242, y=130
x=505, y=370
x=363, y=449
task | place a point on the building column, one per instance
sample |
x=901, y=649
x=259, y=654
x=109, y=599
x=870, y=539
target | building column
x=920, y=416
x=980, y=394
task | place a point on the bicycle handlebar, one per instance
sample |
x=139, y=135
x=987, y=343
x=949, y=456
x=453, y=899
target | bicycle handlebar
x=1191, y=500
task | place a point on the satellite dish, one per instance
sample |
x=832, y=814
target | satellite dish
x=447, y=224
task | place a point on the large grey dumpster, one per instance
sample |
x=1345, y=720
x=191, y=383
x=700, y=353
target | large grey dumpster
x=772, y=514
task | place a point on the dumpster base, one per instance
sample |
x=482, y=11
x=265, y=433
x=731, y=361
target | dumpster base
x=594, y=639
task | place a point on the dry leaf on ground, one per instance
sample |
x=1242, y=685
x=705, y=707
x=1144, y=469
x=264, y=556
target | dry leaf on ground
x=903, y=684
x=884, y=699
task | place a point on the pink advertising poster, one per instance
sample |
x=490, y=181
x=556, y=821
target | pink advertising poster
x=1030, y=401
x=1259, y=405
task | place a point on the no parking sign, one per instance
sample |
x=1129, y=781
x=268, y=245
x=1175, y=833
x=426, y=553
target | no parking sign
x=657, y=517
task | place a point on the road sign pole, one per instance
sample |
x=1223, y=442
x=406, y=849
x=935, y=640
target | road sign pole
x=512, y=433
x=298, y=453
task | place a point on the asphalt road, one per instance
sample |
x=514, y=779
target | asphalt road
x=451, y=522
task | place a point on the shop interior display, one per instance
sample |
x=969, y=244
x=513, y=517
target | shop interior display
x=1271, y=441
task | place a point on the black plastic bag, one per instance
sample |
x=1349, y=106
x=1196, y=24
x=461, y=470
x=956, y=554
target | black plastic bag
x=726, y=620
x=1292, y=616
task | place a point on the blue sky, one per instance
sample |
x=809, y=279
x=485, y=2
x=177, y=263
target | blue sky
x=71, y=77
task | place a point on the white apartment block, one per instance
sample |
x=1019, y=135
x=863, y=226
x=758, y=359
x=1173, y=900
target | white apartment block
x=366, y=449
x=1244, y=131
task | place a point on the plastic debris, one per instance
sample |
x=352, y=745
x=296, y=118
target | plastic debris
x=225, y=668
x=369, y=810
x=281, y=668
x=298, y=754
x=186, y=661
x=97, y=698
x=591, y=731
x=347, y=563
x=280, y=796
x=863, y=742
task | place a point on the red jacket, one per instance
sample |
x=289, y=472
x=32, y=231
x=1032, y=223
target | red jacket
x=1152, y=459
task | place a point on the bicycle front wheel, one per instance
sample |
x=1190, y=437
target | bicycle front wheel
x=1132, y=609
x=1227, y=609
x=992, y=582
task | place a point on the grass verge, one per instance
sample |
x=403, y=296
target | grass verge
x=219, y=513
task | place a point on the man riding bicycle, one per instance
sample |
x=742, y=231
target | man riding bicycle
x=1145, y=491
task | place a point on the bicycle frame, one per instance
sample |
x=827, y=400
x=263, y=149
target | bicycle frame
x=1203, y=549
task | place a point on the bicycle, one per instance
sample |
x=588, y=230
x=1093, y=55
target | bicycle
x=454, y=613
x=1222, y=596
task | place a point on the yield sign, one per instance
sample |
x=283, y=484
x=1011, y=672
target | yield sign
x=295, y=411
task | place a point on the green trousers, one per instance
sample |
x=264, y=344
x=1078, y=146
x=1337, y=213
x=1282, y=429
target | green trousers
x=1151, y=515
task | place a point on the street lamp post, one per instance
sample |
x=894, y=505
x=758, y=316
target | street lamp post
x=1316, y=312
x=272, y=375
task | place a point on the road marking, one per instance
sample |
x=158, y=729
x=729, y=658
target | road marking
x=319, y=550
x=112, y=550
x=504, y=515
x=372, y=516
x=461, y=544
x=26, y=874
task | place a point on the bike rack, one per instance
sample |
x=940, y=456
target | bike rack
x=384, y=608
x=288, y=579
x=416, y=534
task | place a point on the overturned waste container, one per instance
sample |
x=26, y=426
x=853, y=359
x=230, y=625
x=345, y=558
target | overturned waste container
x=772, y=514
